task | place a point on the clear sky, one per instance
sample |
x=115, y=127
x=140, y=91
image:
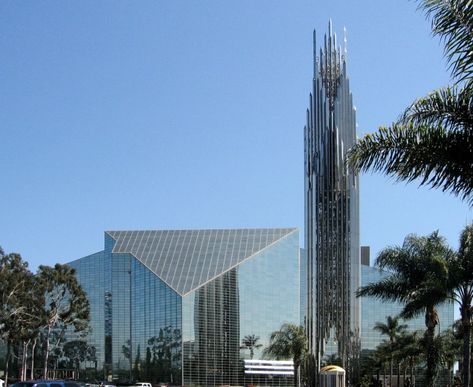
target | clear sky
x=179, y=114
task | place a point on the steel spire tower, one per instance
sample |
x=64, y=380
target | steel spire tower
x=331, y=208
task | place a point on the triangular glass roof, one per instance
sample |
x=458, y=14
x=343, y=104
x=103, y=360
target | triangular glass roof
x=187, y=259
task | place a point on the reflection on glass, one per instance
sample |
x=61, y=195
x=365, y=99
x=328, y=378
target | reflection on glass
x=144, y=330
x=217, y=331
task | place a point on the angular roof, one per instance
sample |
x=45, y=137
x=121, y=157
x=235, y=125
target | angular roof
x=187, y=259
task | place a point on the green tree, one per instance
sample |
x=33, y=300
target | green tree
x=392, y=329
x=450, y=351
x=289, y=342
x=433, y=140
x=165, y=350
x=418, y=277
x=148, y=369
x=18, y=306
x=461, y=283
x=137, y=364
x=250, y=342
x=382, y=356
x=66, y=306
x=409, y=351
x=78, y=351
x=126, y=351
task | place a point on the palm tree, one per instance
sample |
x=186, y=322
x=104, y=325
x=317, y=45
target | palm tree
x=250, y=342
x=382, y=356
x=417, y=279
x=461, y=282
x=433, y=140
x=450, y=351
x=393, y=330
x=408, y=348
x=289, y=342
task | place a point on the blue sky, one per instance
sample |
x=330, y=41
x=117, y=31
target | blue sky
x=189, y=114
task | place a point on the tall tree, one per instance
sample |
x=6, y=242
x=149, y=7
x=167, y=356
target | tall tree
x=289, y=342
x=417, y=278
x=433, y=140
x=18, y=306
x=450, y=351
x=250, y=342
x=392, y=329
x=409, y=351
x=28, y=329
x=461, y=283
x=66, y=305
x=78, y=351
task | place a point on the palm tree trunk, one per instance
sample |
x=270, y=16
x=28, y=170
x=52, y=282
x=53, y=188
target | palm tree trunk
x=430, y=374
x=296, y=374
x=390, y=370
x=466, y=322
x=450, y=375
x=431, y=323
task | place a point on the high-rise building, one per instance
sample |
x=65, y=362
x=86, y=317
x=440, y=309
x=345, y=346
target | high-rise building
x=331, y=208
x=175, y=306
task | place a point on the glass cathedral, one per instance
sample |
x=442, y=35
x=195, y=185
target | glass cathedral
x=331, y=209
x=173, y=306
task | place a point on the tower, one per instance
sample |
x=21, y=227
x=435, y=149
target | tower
x=331, y=208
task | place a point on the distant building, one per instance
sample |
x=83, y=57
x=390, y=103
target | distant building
x=173, y=306
x=331, y=209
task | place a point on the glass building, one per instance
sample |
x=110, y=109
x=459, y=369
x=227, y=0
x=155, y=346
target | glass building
x=331, y=210
x=174, y=306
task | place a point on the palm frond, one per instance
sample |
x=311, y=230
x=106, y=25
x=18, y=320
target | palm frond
x=390, y=288
x=448, y=107
x=435, y=156
x=452, y=21
x=413, y=309
x=288, y=342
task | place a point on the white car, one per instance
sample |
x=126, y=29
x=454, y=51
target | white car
x=140, y=384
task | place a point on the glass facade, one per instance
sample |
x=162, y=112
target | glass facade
x=303, y=286
x=375, y=310
x=243, y=282
x=93, y=273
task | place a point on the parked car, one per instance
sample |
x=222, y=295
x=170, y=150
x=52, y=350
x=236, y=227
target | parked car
x=142, y=384
x=47, y=383
x=106, y=384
